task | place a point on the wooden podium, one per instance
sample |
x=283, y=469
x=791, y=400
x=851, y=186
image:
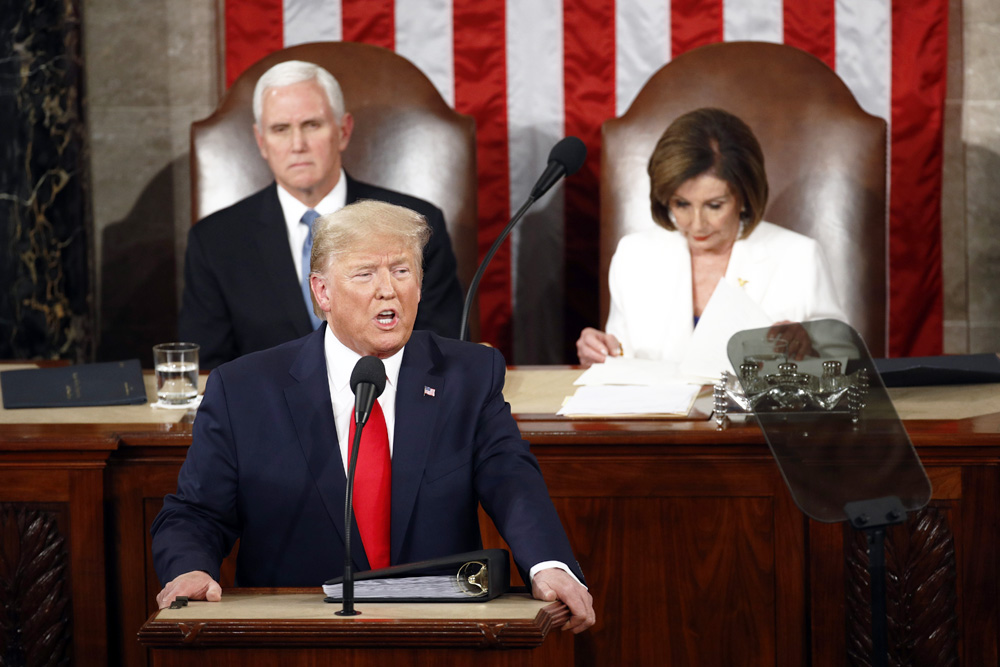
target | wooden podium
x=296, y=627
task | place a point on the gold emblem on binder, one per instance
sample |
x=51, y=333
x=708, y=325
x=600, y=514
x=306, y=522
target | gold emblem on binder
x=473, y=579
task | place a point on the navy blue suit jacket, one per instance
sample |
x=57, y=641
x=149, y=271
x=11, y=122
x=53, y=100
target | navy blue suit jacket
x=264, y=466
x=241, y=293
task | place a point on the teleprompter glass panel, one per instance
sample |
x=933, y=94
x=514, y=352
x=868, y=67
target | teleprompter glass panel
x=827, y=417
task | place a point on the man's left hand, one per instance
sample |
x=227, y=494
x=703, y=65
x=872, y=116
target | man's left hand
x=556, y=584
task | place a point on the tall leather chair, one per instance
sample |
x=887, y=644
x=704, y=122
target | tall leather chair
x=406, y=138
x=825, y=159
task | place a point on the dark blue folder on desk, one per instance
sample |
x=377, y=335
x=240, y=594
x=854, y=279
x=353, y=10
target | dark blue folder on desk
x=108, y=383
x=948, y=369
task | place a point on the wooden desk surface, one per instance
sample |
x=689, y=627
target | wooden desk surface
x=250, y=617
x=538, y=390
x=534, y=393
x=291, y=604
x=111, y=414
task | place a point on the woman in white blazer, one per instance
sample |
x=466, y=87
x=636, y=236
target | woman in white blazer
x=708, y=193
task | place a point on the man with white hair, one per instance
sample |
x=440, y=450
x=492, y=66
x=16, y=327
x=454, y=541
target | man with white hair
x=246, y=267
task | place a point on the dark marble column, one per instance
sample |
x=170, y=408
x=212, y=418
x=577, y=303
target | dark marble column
x=45, y=275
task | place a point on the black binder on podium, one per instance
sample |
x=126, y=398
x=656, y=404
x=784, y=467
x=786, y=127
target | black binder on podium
x=473, y=576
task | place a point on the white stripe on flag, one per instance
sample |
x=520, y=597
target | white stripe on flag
x=424, y=37
x=535, y=122
x=642, y=46
x=864, y=55
x=753, y=20
x=312, y=21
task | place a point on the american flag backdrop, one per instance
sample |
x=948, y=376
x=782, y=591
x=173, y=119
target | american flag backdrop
x=533, y=71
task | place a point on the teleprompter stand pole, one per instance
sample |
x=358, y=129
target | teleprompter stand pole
x=873, y=516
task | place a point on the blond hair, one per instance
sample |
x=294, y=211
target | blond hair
x=354, y=226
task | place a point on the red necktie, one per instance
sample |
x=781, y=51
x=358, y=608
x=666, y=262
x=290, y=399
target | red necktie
x=373, y=488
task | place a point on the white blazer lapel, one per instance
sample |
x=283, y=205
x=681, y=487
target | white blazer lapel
x=750, y=267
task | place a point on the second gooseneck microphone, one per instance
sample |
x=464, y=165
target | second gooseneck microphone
x=565, y=159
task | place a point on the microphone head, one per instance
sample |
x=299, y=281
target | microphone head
x=369, y=370
x=570, y=153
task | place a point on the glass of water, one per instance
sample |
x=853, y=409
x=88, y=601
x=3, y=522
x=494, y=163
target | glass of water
x=176, y=366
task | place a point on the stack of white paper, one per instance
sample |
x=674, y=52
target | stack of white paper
x=604, y=400
x=631, y=387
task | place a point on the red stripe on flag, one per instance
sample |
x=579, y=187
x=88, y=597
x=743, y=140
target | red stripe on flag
x=254, y=28
x=369, y=21
x=481, y=91
x=589, y=94
x=811, y=25
x=919, y=66
x=694, y=23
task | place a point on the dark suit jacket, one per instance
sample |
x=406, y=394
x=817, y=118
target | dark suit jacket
x=265, y=467
x=241, y=293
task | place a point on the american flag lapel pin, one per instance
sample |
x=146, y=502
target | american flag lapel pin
x=429, y=391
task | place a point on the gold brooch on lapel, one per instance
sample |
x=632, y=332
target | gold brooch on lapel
x=742, y=282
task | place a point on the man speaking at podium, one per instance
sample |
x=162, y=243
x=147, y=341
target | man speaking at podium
x=268, y=458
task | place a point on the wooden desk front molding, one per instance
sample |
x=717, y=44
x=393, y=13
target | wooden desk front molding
x=693, y=549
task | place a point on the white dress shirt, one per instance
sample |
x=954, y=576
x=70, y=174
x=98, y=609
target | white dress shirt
x=340, y=362
x=293, y=210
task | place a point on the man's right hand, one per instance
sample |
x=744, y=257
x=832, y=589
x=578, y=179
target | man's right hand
x=195, y=585
x=594, y=346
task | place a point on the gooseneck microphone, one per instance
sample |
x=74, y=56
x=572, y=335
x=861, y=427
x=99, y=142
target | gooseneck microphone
x=565, y=159
x=367, y=383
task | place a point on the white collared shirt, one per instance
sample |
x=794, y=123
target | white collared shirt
x=293, y=210
x=340, y=362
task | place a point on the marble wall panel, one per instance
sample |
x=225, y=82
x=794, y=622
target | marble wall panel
x=956, y=336
x=983, y=219
x=981, y=11
x=981, y=136
x=954, y=248
x=134, y=204
x=126, y=43
x=984, y=337
x=982, y=60
x=953, y=239
x=154, y=67
x=192, y=52
x=956, y=62
x=45, y=270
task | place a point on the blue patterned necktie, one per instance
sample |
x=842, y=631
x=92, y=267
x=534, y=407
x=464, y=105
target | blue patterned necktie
x=307, y=219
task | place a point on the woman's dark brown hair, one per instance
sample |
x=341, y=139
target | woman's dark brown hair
x=709, y=141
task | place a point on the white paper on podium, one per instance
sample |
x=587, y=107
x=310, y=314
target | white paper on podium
x=729, y=311
x=618, y=370
x=604, y=400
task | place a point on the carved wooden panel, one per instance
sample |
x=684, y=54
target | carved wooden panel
x=921, y=598
x=34, y=594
